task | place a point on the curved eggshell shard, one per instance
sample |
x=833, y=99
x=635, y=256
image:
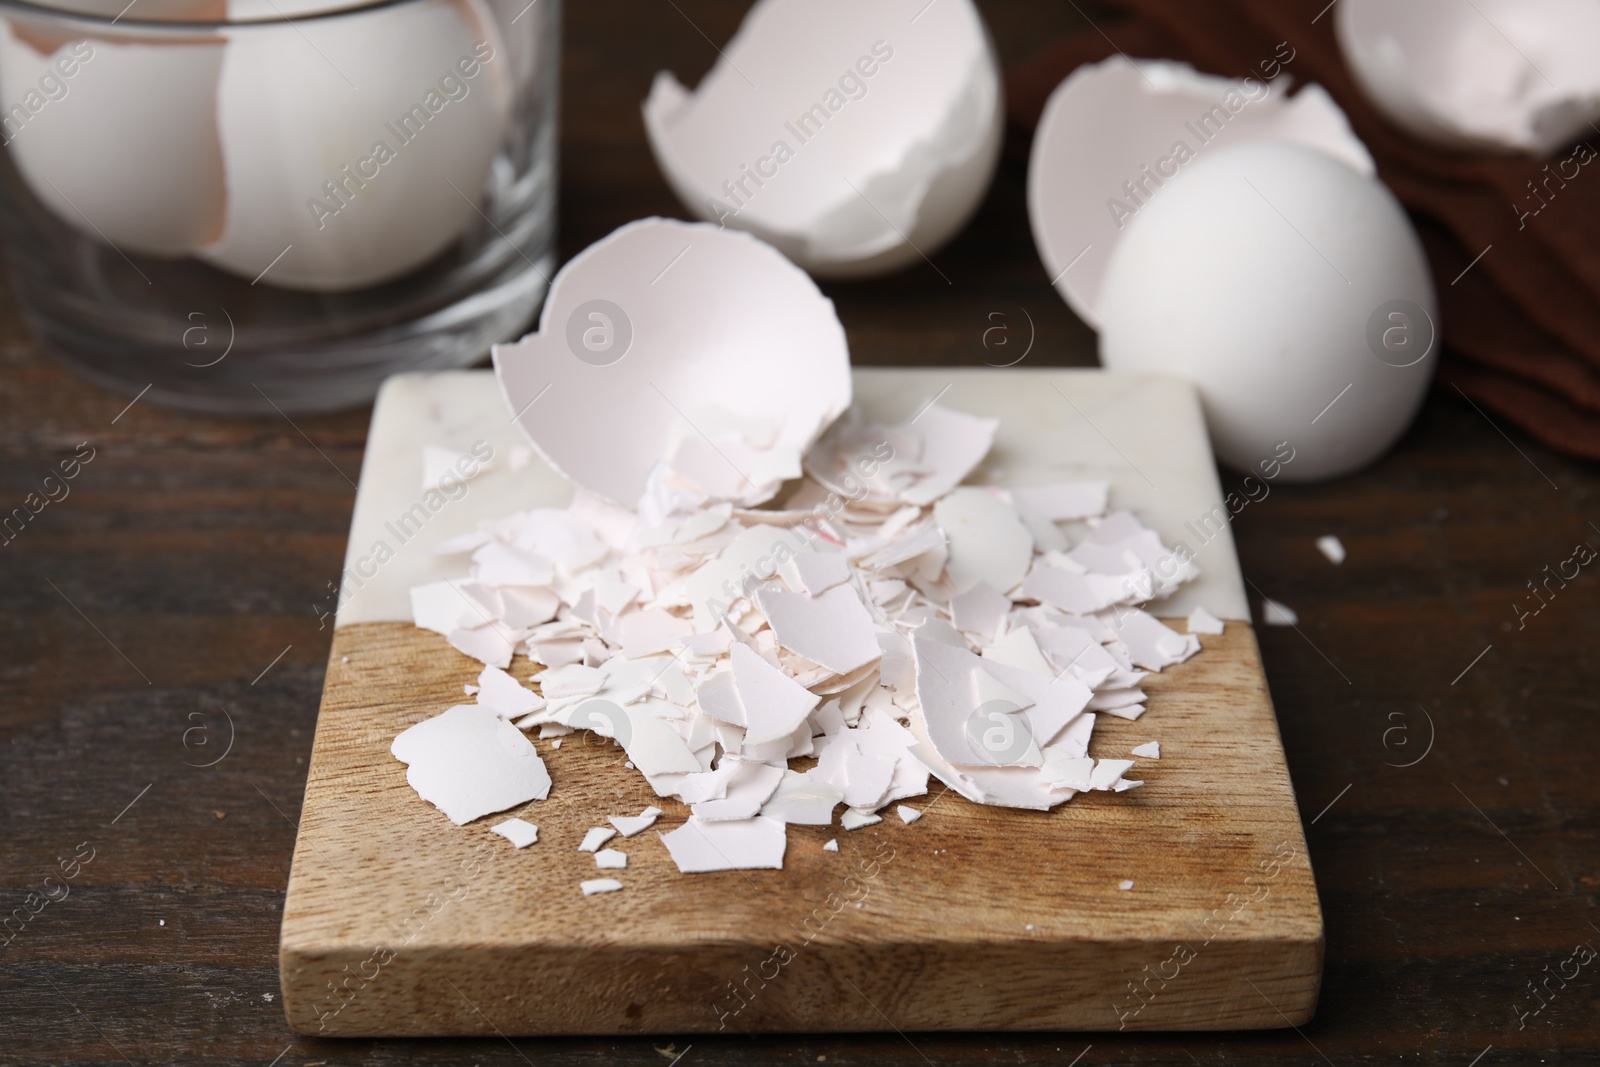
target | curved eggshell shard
x=357, y=142
x=125, y=148
x=686, y=320
x=1115, y=133
x=1501, y=75
x=853, y=137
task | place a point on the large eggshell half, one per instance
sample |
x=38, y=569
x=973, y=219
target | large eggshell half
x=126, y=151
x=1144, y=124
x=1292, y=291
x=1503, y=75
x=847, y=173
x=648, y=331
x=301, y=102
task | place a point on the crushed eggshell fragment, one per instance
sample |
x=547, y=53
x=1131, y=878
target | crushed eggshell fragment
x=628, y=825
x=1331, y=547
x=596, y=837
x=468, y=762
x=609, y=859
x=519, y=833
x=599, y=885
x=1202, y=621
x=745, y=844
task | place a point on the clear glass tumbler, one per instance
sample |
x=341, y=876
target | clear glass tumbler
x=243, y=205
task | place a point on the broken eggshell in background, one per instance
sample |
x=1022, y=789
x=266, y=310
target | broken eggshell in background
x=291, y=123
x=1293, y=292
x=866, y=139
x=1497, y=75
x=663, y=332
x=1115, y=133
x=98, y=163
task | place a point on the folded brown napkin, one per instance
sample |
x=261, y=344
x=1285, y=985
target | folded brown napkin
x=1521, y=325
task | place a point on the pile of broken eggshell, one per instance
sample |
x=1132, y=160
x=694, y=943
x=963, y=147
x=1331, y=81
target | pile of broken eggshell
x=884, y=622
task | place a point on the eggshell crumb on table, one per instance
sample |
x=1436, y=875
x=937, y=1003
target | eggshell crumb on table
x=599, y=885
x=1276, y=614
x=1331, y=547
x=519, y=833
x=596, y=837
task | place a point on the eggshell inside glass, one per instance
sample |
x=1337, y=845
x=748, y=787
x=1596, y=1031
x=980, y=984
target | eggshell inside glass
x=1292, y=291
x=359, y=142
x=124, y=148
x=853, y=137
x=649, y=330
x=1114, y=134
x=1501, y=75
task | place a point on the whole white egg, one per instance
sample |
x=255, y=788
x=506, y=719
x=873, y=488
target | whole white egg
x=357, y=146
x=1292, y=291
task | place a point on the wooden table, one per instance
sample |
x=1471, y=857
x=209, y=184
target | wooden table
x=175, y=592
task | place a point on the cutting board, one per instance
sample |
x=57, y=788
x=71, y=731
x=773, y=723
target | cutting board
x=1186, y=904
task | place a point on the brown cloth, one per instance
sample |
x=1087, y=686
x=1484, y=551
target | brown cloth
x=1521, y=325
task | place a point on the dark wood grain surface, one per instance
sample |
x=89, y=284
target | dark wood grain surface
x=168, y=604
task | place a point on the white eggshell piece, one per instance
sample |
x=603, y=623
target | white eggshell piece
x=988, y=541
x=343, y=136
x=832, y=629
x=1501, y=75
x=1116, y=134
x=91, y=152
x=732, y=845
x=469, y=762
x=518, y=831
x=628, y=825
x=650, y=335
x=1291, y=290
x=854, y=137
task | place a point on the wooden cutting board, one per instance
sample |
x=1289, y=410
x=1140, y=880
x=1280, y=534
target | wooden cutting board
x=1186, y=904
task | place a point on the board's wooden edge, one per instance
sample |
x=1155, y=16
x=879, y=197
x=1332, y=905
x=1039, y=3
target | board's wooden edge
x=425, y=991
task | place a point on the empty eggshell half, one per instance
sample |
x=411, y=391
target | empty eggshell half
x=854, y=137
x=1292, y=291
x=1115, y=134
x=1503, y=75
x=661, y=333
x=357, y=146
x=80, y=130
